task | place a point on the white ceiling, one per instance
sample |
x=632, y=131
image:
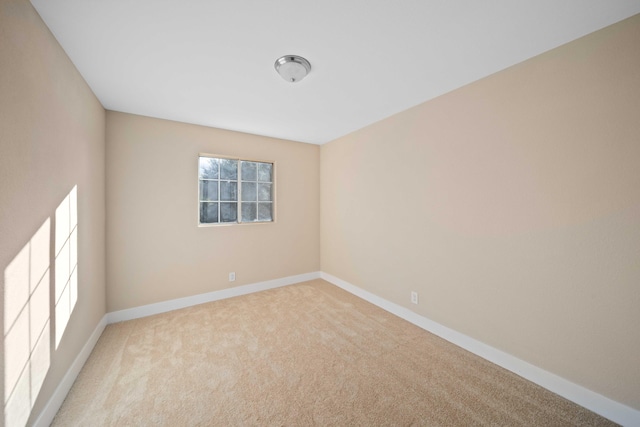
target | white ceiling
x=210, y=62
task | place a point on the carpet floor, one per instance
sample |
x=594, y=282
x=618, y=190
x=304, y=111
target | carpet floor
x=300, y=355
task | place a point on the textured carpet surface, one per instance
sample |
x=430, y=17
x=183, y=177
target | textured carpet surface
x=307, y=354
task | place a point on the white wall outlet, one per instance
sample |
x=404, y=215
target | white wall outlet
x=232, y=276
x=414, y=297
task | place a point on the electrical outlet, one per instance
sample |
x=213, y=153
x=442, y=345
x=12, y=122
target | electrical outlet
x=414, y=297
x=232, y=276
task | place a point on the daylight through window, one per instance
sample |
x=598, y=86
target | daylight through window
x=235, y=191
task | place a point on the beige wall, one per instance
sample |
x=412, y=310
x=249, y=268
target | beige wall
x=155, y=249
x=512, y=205
x=51, y=140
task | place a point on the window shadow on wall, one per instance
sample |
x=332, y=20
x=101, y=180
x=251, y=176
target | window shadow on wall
x=39, y=294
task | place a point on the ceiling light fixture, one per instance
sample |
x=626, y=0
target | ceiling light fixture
x=292, y=68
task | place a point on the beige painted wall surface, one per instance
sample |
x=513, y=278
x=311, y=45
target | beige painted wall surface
x=512, y=206
x=155, y=249
x=51, y=140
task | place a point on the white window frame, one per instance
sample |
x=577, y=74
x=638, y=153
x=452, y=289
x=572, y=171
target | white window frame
x=239, y=192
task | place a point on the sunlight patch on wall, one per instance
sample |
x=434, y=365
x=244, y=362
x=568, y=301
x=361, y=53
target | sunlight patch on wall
x=27, y=332
x=66, y=259
x=27, y=308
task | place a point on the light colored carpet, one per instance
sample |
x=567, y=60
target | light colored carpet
x=307, y=354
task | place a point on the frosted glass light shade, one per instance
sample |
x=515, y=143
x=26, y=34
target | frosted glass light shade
x=292, y=68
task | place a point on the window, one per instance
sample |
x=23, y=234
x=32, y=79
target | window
x=234, y=190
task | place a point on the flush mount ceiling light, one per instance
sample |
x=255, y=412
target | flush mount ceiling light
x=292, y=68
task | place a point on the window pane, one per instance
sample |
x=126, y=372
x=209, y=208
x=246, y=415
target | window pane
x=208, y=168
x=228, y=212
x=228, y=190
x=249, y=212
x=208, y=212
x=228, y=169
x=264, y=172
x=264, y=192
x=220, y=190
x=249, y=192
x=264, y=212
x=249, y=171
x=208, y=190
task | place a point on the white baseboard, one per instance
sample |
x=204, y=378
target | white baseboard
x=53, y=405
x=595, y=402
x=175, y=304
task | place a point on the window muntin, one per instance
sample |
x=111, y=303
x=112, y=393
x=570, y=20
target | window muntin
x=235, y=191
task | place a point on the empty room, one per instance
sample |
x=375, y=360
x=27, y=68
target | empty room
x=320, y=213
